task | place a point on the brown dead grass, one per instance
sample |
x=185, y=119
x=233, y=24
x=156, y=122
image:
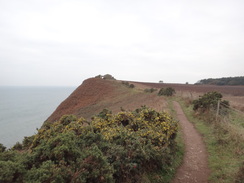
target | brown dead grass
x=234, y=94
x=231, y=90
x=95, y=94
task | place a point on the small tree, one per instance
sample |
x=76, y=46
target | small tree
x=2, y=148
x=108, y=76
x=98, y=76
x=126, y=83
x=209, y=100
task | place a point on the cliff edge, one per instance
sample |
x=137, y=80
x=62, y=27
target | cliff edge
x=95, y=94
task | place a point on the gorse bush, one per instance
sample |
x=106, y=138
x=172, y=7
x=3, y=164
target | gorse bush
x=240, y=174
x=2, y=148
x=126, y=83
x=110, y=148
x=209, y=101
x=166, y=91
x=108, y=76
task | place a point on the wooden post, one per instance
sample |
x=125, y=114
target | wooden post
x=217, y=113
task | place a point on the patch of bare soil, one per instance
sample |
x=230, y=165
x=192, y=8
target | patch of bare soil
x=195, y=167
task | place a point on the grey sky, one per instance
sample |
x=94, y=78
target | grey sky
x=63, y=42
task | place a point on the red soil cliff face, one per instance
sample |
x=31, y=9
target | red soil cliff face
x=90, y=92
x=96, y=94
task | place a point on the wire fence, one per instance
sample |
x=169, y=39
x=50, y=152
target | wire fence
x=231, y=108
x=194, y=95
x=231, y=111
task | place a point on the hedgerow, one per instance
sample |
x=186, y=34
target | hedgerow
x=110, y=148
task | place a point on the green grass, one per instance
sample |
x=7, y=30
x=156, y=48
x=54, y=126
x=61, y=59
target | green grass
x=237, y=118
x=224, y=145
x=179, y=140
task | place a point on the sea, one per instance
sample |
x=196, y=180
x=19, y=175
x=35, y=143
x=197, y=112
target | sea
x=24, y=109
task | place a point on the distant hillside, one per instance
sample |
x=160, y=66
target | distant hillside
x=199, y=88
x=223, y=81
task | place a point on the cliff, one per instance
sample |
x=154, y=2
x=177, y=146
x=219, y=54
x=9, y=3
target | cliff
x=95, y=94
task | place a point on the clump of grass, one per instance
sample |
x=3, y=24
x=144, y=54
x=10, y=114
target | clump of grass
x=126, y=83
x=150, y=90
x=240, y=175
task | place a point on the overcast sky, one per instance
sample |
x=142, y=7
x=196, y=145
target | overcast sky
x=63, y=42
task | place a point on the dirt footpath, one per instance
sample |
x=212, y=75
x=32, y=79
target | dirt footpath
x=195, y=162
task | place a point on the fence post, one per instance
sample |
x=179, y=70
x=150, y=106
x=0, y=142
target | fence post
x=217, y=113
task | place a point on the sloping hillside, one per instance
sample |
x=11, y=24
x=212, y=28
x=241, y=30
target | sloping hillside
x=95, y=94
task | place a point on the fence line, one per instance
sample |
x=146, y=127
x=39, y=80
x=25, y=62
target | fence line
x=191, y=96
x=232, y=108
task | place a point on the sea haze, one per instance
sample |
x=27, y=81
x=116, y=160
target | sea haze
x=24, y=109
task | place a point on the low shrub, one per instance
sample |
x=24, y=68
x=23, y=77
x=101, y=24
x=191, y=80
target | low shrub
x=166, y=91
x=108, y=76
x=131, y=86
x=126, y=83
x=18, y=146
x=110, y=148
x=2, y=148
x=240, y=175
x=209, y=101
x=151, y=90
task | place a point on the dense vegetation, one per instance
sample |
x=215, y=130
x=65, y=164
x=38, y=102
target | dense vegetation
x=106, y=76
x=223, y=81
x=126, y=147
x=166, y=91
x=210, y=101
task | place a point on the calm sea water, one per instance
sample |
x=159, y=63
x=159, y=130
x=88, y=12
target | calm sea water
x=23, y=109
